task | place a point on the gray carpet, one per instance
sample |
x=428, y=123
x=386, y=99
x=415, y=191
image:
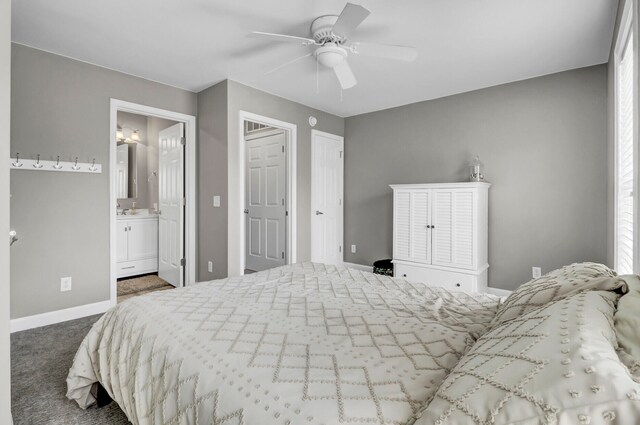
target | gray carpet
x=40, y=361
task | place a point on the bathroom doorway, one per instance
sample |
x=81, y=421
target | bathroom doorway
x=153, y=200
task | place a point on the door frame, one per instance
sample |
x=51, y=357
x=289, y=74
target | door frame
x=236, y=241
x=340, y=214
x=189, y=235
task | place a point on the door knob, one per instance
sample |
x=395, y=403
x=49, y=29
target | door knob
x=12, y=237
x=246, y=211
x=319, y=212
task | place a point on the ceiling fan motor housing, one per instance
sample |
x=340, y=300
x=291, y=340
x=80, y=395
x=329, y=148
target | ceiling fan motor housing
x=321, y=29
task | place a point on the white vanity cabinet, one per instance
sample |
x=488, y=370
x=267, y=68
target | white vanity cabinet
x=137, y=245
x=440, y=234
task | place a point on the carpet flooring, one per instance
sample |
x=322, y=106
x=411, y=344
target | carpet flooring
x=140, y=285
x=40, y=361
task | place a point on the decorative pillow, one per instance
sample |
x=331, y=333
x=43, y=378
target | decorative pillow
x=627, y=320
x=555, y=365
x=558, y=284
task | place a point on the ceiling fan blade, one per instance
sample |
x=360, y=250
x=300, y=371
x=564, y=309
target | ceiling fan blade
x=287, y=63
x=352, y=15
x=386, y=51
x=345, y=75
x=282, y=38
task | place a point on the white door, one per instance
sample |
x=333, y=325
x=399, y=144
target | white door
x=122, y=253
x=143, y=239
x=265, y=201
x=453, y=231
x=122, y=171
x=171, y=219
x=326, y=197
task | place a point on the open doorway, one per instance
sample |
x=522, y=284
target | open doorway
x=153, y=205
x=267, y=194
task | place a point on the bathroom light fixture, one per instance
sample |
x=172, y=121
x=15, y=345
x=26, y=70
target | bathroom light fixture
x=127, y=135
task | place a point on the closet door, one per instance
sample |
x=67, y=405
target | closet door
x=454, y=228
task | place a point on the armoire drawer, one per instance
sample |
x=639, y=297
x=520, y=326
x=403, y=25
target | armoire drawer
x=131, y=268
x=435, y=277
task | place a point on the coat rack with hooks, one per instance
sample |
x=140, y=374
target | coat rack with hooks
x=18, y=163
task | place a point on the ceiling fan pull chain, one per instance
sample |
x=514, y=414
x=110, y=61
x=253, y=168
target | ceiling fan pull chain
x=317, y=77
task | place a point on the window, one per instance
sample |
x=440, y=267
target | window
x=625, y=150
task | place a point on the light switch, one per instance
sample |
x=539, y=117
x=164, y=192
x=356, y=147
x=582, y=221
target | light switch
x=216, y=201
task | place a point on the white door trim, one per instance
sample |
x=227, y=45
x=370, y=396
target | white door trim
x=236, y=238
x=340, y=214
x=190, y=183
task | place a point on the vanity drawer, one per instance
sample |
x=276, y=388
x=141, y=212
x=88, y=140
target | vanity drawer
x=434, y=277
x=132, y=268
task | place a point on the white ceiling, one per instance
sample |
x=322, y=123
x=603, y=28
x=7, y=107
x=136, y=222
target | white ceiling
x=463, y=44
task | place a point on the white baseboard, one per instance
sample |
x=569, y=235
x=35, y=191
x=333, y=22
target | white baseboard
x=499, y=292
x=52, y=317
x=358, y=267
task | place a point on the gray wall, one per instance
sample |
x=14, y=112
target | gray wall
x=5, y=88
x=212, y=180
x=543, y=142
x=61, y=107
x=154, y=127
x=137, y=122
x=218, y=114
x=244, y=98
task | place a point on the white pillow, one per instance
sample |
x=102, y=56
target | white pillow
x=557, y=284
x=555, y=365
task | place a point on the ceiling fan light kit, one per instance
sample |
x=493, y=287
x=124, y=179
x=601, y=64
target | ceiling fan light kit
x=330, y=35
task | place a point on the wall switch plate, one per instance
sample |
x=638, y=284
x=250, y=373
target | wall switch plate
x=536, y=272
x=65, y=284
x=216, y=201
x=210, y=266
x=353, y=249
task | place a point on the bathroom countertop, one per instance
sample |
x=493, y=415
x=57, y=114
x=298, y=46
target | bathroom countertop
x=140, y=214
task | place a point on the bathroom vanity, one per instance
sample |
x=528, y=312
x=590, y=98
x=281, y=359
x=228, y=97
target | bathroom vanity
x=137, y=244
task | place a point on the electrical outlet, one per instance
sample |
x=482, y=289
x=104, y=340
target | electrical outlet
x=536, y=272
x=216, y=201
x=65, y=284
x=353, y=249
x=210, y=266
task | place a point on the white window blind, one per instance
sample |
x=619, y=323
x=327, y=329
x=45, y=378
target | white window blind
x=624, y=159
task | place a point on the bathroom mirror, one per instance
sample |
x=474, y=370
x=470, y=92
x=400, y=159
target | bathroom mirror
x=127, y=172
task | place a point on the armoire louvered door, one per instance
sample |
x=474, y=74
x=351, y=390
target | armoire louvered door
x=412, y=238
x=453, y=228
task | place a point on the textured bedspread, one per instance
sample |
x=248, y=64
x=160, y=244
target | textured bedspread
x=300, y=344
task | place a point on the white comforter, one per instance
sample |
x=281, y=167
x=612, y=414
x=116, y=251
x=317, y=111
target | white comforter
x=301, y=344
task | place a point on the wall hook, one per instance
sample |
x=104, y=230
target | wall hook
x=93, y=166
x=37, y=164
x=57, y=165
x=17, y=163
x=75, y=165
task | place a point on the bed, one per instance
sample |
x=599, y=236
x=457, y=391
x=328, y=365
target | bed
x=318, y=344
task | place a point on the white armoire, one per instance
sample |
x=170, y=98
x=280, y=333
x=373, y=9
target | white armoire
x=440, y=234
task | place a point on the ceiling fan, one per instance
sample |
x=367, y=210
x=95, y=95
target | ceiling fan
x=330, y=37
